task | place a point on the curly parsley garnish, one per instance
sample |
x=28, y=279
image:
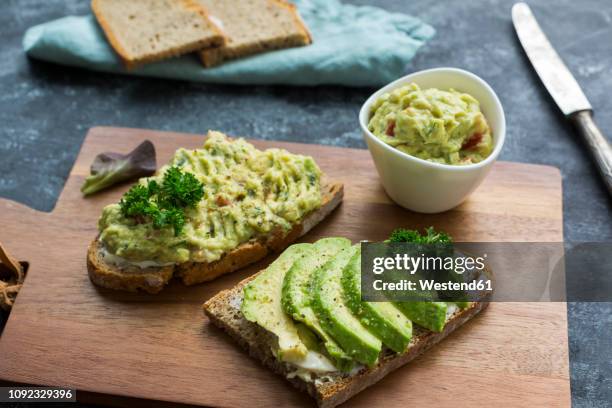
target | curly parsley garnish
x=163, y=204
x=430, y=236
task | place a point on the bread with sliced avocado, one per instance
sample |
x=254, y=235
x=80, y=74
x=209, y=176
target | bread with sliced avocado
x=253, y=203
x=311, y=371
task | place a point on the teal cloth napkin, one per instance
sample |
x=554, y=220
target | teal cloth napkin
x=353, y=46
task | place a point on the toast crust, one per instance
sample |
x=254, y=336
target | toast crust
x=223, y=310
x=214, y=56
x=298, y=19
x=153, y=279
x=217, y=40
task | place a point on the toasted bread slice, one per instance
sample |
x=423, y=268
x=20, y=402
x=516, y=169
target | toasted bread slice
x=153, y=279
x=224, y=311
x=143, y=31
x=253, y=26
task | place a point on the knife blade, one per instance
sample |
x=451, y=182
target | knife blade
x=563, y=87
x=556, y=77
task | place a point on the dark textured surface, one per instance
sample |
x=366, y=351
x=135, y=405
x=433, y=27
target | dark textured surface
x=45, y=111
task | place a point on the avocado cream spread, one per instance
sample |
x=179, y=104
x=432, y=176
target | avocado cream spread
x=440, y=126
x=247, y=193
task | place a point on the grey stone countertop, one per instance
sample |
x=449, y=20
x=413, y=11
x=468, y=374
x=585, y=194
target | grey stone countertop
x=45, y=111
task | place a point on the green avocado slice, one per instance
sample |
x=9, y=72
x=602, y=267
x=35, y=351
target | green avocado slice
x=262, y=303
x=383, y=319
x=297, y=289
x=336, y=319
x=430, y=315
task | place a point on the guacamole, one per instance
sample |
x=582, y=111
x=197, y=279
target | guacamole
x=440, y=126
x=247, y=192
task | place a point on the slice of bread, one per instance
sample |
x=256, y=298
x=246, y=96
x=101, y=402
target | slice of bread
x=254, y=26
x=224, y=311
x=153, y=279
x=143, y=31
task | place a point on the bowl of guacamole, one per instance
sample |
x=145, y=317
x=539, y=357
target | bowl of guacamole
x=442, y=126
x=433, y=136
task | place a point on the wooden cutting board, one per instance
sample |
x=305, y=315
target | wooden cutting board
x=122, y=348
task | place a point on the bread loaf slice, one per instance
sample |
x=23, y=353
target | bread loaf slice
x=153, y=279
x=223, y=310
x=253, y=26
x=143, y=31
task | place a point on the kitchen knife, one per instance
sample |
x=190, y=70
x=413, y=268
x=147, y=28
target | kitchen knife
x=563, y=87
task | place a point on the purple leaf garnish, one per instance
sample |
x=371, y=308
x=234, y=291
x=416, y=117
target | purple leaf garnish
x=109, y=169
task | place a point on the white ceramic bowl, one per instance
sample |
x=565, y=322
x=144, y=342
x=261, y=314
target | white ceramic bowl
x=421, y=185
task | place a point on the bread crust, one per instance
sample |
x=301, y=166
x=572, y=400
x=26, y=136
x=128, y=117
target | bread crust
x=223, y=311
x=153, y=280
x=131, y=63
x=298, y=19
x=214, y=56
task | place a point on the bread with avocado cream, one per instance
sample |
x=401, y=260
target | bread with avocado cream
x=287, y=323
x=251, y=203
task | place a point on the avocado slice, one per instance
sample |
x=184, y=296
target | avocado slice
x=336, y=319
x=430, y=315
x=383, y=319
x=310, y=340
x=296, y=294
x=262, y=303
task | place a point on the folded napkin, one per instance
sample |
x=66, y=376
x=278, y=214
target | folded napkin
x=352, y=46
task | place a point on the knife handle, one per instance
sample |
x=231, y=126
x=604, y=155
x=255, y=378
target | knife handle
x=597, y=143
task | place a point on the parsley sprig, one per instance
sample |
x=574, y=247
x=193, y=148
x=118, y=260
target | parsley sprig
x=163, y=204
x=430, y=236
